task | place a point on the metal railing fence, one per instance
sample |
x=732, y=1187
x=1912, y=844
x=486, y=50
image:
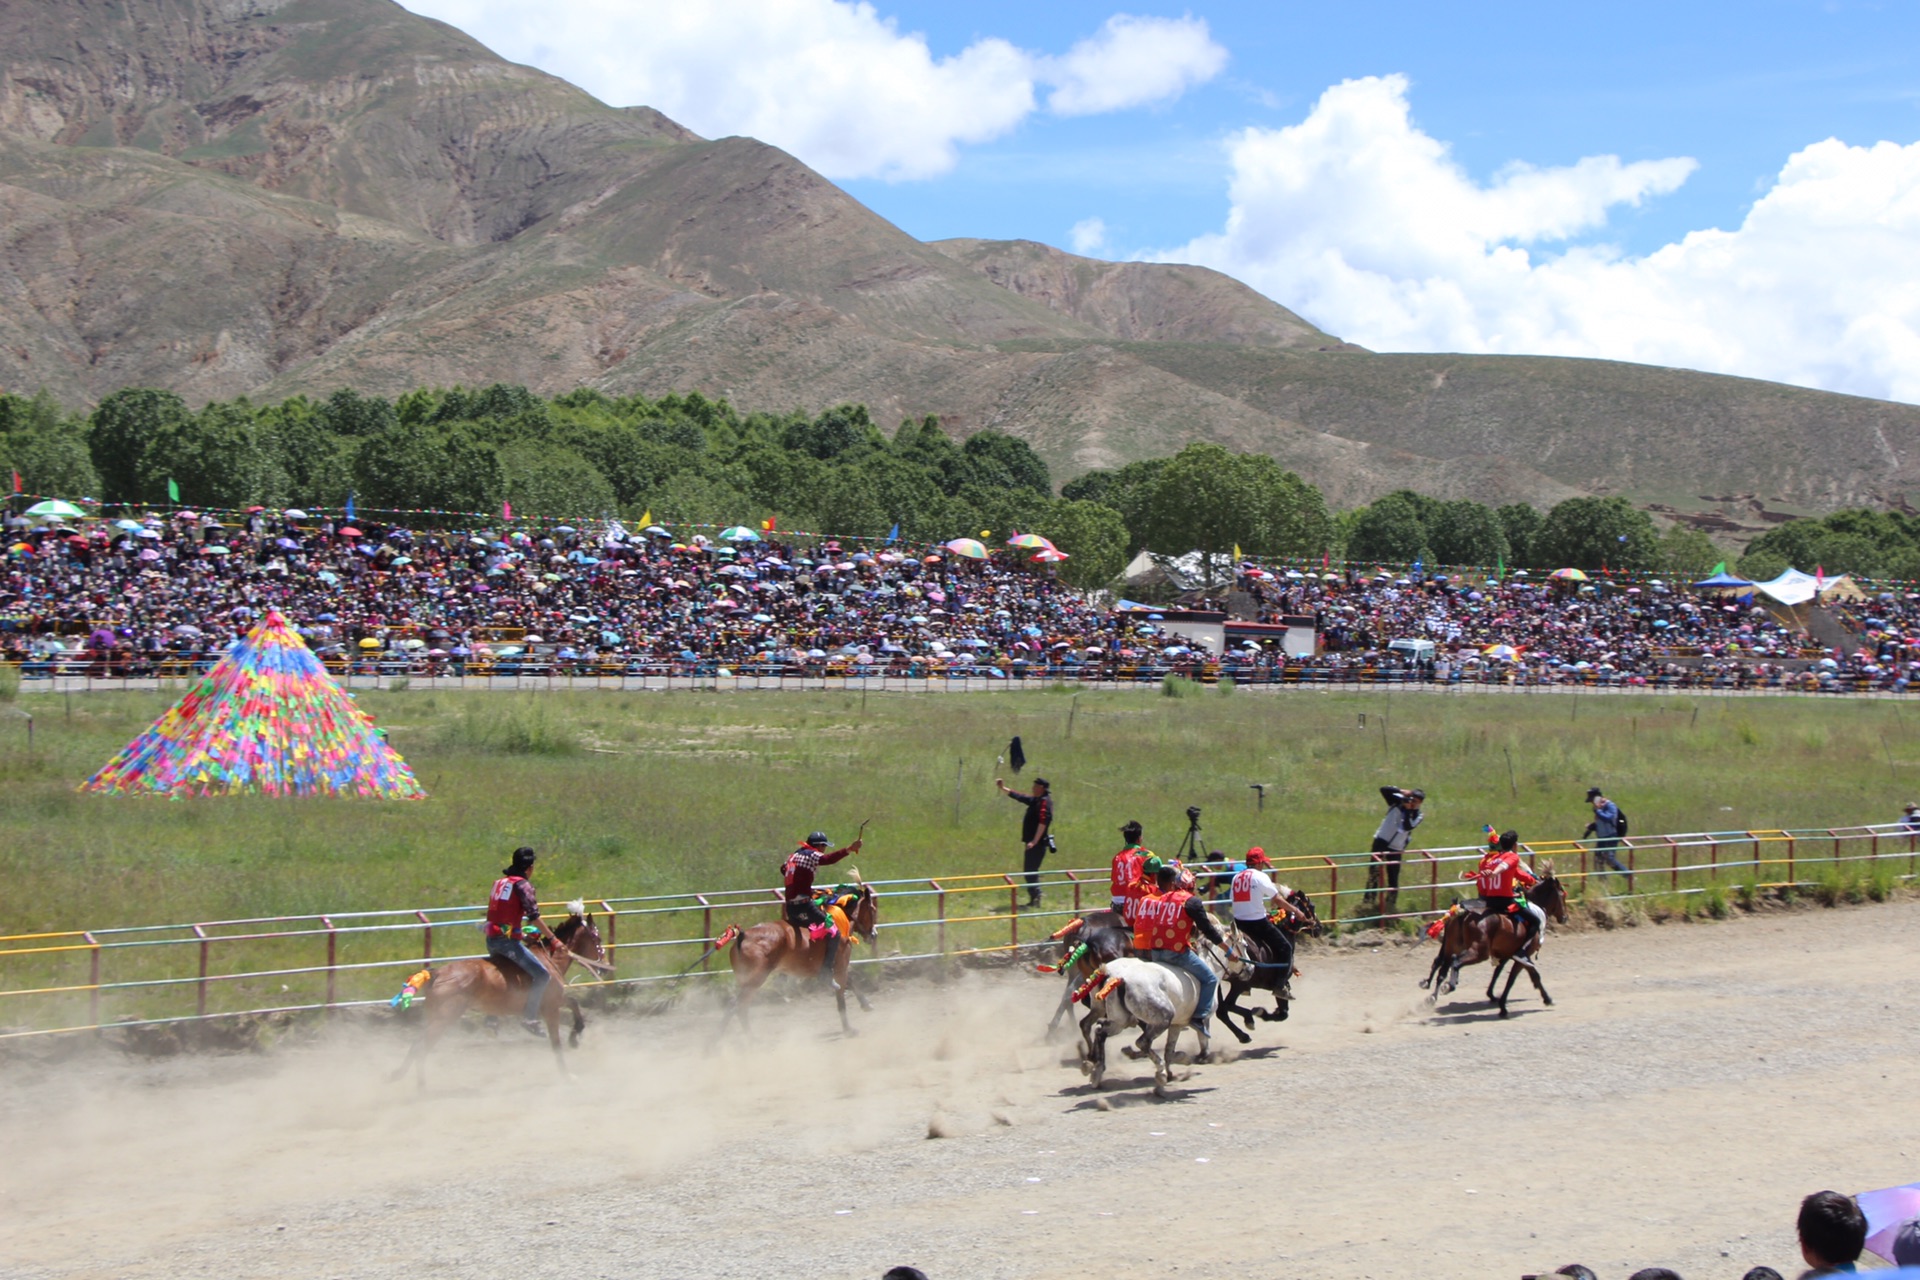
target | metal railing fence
x=143, y=975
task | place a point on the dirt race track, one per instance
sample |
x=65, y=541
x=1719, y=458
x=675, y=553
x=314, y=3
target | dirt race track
x=1690, y=1085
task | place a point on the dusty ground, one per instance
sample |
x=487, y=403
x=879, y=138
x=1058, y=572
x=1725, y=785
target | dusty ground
x=1690, y=1085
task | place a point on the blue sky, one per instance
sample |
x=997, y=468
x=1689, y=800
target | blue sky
x=1737, y=87
x=1725, y=187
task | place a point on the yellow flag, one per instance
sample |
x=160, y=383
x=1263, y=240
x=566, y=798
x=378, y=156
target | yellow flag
x=647, y=518
x=1236, y=553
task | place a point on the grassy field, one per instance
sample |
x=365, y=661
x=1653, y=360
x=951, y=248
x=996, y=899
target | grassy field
x=653, y=793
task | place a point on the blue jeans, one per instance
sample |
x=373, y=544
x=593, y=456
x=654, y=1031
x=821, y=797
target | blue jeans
x=1603, y=851
x=538, y=974
x=1202, y=973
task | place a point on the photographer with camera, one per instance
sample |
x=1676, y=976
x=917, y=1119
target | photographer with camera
x=1404, y=811
x=1036, y=828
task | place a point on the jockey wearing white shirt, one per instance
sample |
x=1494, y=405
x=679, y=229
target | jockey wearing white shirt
x=1253, y=888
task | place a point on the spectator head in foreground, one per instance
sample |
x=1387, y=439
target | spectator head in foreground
x=1832, y=1231
x=1577, y=1271
x=1763, y=1273
x=1906, y=1244
x=905, y=1273
x=1654, y=1273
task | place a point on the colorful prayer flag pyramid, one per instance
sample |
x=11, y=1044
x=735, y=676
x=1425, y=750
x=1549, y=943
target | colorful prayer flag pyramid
x=268, y=719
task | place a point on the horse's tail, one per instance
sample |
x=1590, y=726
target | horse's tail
x=729, y=937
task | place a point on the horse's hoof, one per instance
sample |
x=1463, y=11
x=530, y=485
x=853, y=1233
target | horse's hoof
x=1282, y=1015
x=1424, y=983
x=1503, y=1011
x=1130, y=1051
x=1546, y=1000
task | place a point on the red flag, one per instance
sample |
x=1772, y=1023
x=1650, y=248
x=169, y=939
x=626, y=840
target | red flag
x=16, y=482
x=766, y=526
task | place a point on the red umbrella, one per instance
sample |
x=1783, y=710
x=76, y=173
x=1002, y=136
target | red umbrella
x=349, y=532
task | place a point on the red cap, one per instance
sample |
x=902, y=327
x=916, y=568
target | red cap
x=1257, y=857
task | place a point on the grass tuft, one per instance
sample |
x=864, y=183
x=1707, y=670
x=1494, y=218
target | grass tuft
x=1178, y=687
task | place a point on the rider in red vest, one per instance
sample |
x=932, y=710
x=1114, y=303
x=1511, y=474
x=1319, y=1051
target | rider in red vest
x=801, y=910
x=1501, y=876
x=1163, y=925
x=511, y=907
x=1127, y=866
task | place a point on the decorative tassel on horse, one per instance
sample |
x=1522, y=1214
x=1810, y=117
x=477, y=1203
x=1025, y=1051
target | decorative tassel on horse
x=1066, y=929
x=412, y=988
x=1073, y=957
x=1439, y=926
x=727, y=937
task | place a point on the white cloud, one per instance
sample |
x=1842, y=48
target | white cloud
x=832, y=81
x=1088, y=236
x=1131, y=62
x=1365, y=224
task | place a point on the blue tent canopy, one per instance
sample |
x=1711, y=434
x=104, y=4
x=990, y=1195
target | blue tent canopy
x=1722, y=580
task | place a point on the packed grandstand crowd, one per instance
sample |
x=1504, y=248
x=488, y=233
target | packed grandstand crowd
x=137, y=597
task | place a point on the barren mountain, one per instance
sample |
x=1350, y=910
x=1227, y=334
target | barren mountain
x=270, y=196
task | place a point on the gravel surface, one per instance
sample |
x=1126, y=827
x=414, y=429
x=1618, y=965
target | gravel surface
x=1691, y=1084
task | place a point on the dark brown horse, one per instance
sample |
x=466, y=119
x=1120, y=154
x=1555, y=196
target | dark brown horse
x=759, y=951
x=1469, y=937
x=1086, y=943
x=1257, y=971
x=499, y=989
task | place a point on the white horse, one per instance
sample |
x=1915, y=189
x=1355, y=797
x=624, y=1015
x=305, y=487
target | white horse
x=1153, y=997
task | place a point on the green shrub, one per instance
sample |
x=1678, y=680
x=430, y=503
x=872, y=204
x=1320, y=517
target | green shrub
x=1714, y=902
x=1178, y=686
x=1226, y=686
x=516, y=727
x=9, y=682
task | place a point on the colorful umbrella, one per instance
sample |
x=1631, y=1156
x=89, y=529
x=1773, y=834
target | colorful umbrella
x=739, y=533
x=971, y=548
x=1887, y=1210
x=54, y=508
x=1049, y=556
x=1568, y=575
x=1030, y=542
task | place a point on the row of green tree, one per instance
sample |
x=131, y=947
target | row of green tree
x=691, y=459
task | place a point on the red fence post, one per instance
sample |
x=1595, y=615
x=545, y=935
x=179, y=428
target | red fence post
x=332, y=954
x=93, y=976
x=1013, y=908
x=940, y=914
x=1074, y=879
x=426, y=941
x=1433, y=881
x=200, y=1006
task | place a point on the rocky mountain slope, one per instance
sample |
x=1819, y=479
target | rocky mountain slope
x=270, y=196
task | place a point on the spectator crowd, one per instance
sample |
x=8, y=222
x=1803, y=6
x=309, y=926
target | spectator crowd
x=131, y=596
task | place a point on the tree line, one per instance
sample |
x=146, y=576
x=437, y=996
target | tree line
x=687, y=458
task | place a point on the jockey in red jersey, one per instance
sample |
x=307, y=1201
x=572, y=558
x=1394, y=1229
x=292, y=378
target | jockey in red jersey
x=799, y=907
x=1163, y=926
x=511, y=906
x=1128, y=865
x=1501, y=876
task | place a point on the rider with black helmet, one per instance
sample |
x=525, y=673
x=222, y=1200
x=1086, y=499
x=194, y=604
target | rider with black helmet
x=801, y=910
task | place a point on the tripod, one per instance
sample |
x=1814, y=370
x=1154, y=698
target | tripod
x=1193, y=845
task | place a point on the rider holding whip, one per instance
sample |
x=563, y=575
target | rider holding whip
x=799, y=907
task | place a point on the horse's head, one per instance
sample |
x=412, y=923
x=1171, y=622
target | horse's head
x=1550, y=894
x=864, y=915
x=1298, y=899
x=580, y=935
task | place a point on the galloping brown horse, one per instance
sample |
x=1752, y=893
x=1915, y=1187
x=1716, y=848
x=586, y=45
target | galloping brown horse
x=498, y=988
x=1470, y=937
x=759, y=951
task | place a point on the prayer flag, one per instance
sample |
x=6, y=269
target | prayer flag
x=893, y=533
x=1236, y=553
x=646, y=517
x=1499, y=566
x=173, y=490
x=349, y=506
x=16, y=482
x=1718, y=569
x=506, y=509
x=766, y=526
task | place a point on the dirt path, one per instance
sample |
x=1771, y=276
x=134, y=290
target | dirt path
x=1692, y=1083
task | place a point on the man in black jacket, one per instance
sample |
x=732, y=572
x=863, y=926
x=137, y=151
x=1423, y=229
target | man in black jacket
x=1035, y=829
x=1405, y=808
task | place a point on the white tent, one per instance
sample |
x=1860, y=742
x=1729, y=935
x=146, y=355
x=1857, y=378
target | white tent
x=1795, y=588
x=1791, y=587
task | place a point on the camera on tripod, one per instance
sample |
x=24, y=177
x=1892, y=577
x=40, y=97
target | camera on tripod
x=1193, y=815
